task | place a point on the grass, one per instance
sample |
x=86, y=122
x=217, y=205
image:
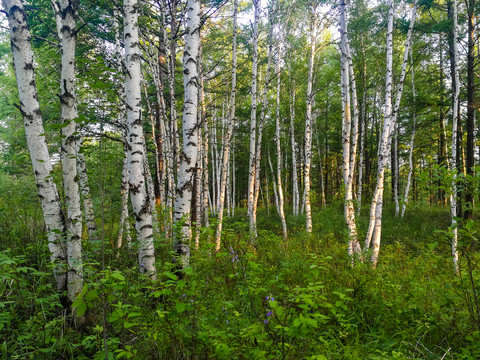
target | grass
x=268, y=299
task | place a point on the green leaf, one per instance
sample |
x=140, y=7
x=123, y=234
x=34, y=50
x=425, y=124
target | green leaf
x=81, y=309
x=117, y=275
x=170, y=275
x=180, y=307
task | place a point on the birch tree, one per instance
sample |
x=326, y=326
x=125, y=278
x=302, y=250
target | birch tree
x=32, y=118
x=308, y=119
x=65, y=15
x=87, y=199
x=229, y=130
x=253, y=123
x=390, y=113
x=412, y=142
x=295, y=191
x=453, y=161
x=349, y=132
x=188, y=157
x=280, y=204
x=136, y=171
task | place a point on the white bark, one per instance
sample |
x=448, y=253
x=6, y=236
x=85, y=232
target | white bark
x=308, y=121
x=65, y=14
x=295, y=191
x=453, y=162
x=374, y=230
x=412, y=142
x=136, y=173
x=189, y=154
x=349, y=133
x=37, y=146
x=253, y=124
x=87, y=200
x=228, y=132
x=124, y=225
x=375, y=226
x=279, y=148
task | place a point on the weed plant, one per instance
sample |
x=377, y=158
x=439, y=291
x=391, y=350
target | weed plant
x=263, y=299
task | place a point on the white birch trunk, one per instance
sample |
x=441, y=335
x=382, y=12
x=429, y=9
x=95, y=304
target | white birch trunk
x=124, y=225
x=188, y=161
x=295, y=191
x=374, y=230
x=412, y=143
x=37, y=146
x=228, y=132
x=395, y=169
x=453, y=162
x=253, y=124
x=87, y=200
x=375, y=226
x=308, y=122
x=65, y=14
x=279, y=148
x=349, y=133
x=136, y=173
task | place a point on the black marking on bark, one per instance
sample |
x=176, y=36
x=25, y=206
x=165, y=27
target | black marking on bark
x=28, y=66
x=135, y=189
x=137, y=152
x=146, y=227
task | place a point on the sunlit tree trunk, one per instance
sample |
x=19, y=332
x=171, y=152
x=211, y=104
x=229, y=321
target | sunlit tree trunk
x=349, y=133
x=136, y=172
x=308, y=120
x=253, y=124
x=375, y=226
x=295, y=191
x=124, y=224
x=65, y=14
x=188, y=161
x=228, y=132
x=456, y=93
x=34, y=131
x=279, y=148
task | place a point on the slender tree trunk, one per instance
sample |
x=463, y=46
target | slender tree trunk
x=456, y=93
x=375, y=226
x=37, y=146
x=228, y=132
x=87, y=200
x=363, y=135
x=349, y=133
x=279, y=149
x=188, y=162
x=124, y=224
x=471, y=107
x=253, y=124
x=136, y=171
x=412, y=141
x=308, y=119
x=65, y=14
x=395, y=169
x=295, y=191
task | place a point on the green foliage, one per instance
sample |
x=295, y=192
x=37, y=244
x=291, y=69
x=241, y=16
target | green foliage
x=264, y=300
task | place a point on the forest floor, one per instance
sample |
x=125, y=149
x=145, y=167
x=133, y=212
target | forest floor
x=262, y=299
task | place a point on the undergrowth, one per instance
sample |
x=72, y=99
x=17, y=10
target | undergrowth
x=263, y=299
